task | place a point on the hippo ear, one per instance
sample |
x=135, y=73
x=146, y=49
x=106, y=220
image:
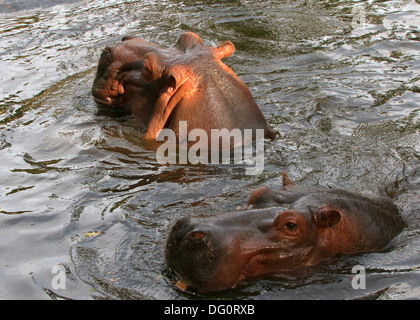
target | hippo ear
x=224, y=50
x=327, y=217
x=286, y=181
x=258, y=198
x=129, y=37
x=188, y=40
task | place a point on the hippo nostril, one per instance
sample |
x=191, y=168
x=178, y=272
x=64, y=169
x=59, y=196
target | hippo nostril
x=197, y=234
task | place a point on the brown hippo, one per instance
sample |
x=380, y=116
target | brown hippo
x=187, y=82
x=280, y=230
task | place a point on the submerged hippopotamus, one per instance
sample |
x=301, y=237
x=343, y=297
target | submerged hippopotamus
x=188, y=82
x=280, y=230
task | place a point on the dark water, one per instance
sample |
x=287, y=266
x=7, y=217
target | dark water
x=340, y=81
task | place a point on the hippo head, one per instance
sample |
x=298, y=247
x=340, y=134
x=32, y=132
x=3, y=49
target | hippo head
x=216, y=253
x=187, y=82
x=279, y=231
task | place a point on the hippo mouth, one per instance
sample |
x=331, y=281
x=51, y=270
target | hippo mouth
x=106, y=102
x=111, y=97
x=260, y=261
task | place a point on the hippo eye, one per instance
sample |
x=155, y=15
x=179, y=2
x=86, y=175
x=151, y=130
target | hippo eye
x=291, y=225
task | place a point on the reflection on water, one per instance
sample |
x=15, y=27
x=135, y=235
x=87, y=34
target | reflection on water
x=338, y=80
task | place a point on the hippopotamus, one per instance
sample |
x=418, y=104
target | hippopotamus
x=187, y=82
x=278, y=231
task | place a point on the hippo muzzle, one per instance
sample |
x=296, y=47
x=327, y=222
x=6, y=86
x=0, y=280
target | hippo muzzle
x=211, y=254
x=198, y=254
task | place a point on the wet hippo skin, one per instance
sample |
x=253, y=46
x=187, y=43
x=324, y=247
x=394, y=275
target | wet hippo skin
x=187, y=82
x=279, y=230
